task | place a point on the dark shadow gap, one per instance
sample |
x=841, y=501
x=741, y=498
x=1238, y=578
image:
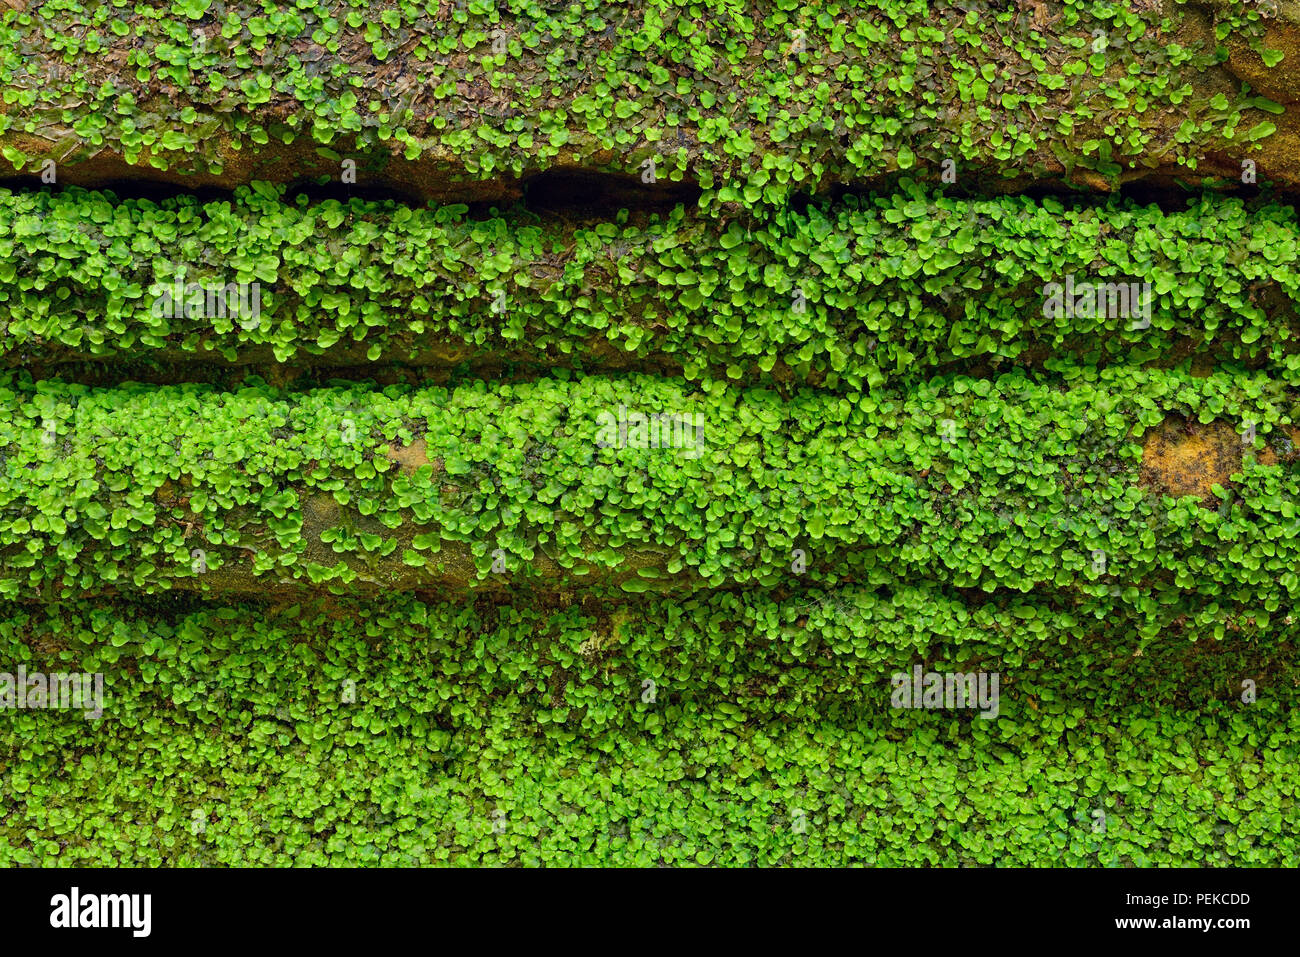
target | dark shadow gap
x=1172, y=196
x=583, y=194
x=331, y=188
x=580, y=196
x=125, y=190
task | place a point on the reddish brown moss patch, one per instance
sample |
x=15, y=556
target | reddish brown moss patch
x=411, y=457
x=1187, y=458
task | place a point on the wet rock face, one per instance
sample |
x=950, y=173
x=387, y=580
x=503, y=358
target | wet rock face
x=1281, y=81
x=452, y=154
x=1270, y=67
x=424, y=180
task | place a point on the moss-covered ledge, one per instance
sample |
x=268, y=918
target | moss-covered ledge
x=1008, y=484
x=456, y=102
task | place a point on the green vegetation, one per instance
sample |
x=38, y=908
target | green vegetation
x=861, y=292
x=445, y=609
x=501, y=735
x=1006, y=483
x=754, y=100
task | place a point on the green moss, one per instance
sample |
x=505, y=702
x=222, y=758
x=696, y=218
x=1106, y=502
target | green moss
x=730, y=729
x=991, y=484
x=756, y=104
x=858, y=293
x=675, y=644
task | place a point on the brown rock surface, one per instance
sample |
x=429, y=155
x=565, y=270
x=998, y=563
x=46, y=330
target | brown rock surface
x=439, y=175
